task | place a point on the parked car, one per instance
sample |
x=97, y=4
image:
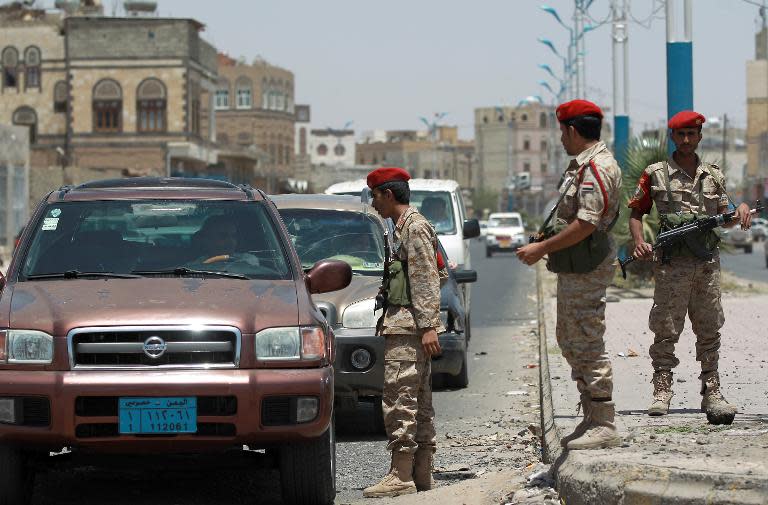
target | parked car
x=165, y=316
x=505, y=233
x=759, y=229
x=483, y=229
x=344, y=228
x=738, y=238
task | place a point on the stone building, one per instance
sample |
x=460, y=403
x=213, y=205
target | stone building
x=332, y=147
x=439, y=156
x=108, y=96
x=757, y=119
x=254, y=106
x=513, y=141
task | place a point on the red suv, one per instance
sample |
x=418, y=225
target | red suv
x=165, y=316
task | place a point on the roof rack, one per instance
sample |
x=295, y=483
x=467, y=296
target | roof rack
x=158, y=182
x=64, y=190
x=248, y=190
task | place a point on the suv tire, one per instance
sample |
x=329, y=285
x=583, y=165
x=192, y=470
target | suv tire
x=748, y=249
x=15, y=478
x=308, y=470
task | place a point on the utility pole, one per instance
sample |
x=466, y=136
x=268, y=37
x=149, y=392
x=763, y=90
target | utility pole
x=578, y=43
x=679, y=61
x=620, y=36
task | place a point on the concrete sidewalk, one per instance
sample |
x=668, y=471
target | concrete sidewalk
x=678, y=458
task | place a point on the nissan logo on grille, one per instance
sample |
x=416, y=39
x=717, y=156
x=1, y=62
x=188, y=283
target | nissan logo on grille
x=154, y=347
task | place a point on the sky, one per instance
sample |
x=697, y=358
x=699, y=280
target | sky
x=384, y=64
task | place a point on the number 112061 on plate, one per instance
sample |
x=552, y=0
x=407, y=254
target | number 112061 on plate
x=158, y=415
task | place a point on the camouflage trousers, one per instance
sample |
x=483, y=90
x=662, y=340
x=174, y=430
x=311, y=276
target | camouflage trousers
x=409, y=416
x=581, y=326
x=686, y=286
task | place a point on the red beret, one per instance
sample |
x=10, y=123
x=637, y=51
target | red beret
x=575, y=108
x=686, y=119
x=386, y=174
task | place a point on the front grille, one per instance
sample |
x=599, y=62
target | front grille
x=108, y=430
x=107, y=406
x=137, y=347
x=278, y=411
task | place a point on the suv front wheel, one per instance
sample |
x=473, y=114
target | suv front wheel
x=15, y=477
x=308, y=470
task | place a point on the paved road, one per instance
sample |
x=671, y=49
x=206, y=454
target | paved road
x=481, y=428
x=747, y=266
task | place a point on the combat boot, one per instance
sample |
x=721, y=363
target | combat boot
x=422, y=469
x=398, y=481
x=662, y=393
x=717, y=408
x=601, y=432
x=586, y=405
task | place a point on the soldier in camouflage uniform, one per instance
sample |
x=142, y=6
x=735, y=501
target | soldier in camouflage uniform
x=410, y=332
x=591, y=187
x=687, y=277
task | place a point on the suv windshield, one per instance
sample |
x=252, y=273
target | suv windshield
x=436, y=206
x=349, y=236
x=146, y=237
x=506, y=222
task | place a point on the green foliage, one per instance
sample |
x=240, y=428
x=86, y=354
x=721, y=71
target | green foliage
x=640, y=153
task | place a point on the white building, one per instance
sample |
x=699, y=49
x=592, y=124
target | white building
x=332, y=147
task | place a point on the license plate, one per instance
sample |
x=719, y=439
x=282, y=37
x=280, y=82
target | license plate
x=158, y=415
x=505, y=243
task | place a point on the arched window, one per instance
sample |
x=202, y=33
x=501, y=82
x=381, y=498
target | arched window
x=339, y=150
x=26, y=116
x=526, y=145
x=543, y=120
x=32, y=65
x=107, y=107
x=221, y=101
x=151, y=106
x=543, y=145
x=524, y=118
x=243, y=93
x=287, y=155
x=10, y=62
x=60, y=97
x=322, y=149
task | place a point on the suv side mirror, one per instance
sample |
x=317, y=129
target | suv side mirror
x=471, y=228
x=465, y=276
x=328, y=275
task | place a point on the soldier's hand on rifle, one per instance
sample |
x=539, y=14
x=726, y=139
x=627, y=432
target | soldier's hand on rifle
x=743, y=216
x=430, y=342
x=643, y=251
x=531, y=253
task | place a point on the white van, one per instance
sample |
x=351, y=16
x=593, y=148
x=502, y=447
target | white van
x=440, y=201
x=505, y=232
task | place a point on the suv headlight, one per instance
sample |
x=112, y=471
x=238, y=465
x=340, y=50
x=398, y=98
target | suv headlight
x=291, y=343
x=361, y=314
x=30, y=347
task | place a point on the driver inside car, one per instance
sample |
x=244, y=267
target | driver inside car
x=217, y=241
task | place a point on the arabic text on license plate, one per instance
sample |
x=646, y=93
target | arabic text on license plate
x=505, y=243
x=158, y=415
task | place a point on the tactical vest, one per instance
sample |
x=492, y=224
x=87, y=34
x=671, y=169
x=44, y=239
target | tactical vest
x=584, y=256
x=700, y=245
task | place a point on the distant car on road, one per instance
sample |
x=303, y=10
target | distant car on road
x=505, y=233
x=759, y=229
x=736, y=237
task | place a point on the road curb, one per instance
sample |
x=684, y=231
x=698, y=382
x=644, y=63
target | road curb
x=594, y=477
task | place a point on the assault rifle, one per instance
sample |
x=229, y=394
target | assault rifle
x=675, y=235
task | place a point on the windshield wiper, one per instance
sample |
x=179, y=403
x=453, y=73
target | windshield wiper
x=184, y=271
x=76, y=274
